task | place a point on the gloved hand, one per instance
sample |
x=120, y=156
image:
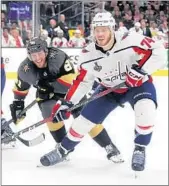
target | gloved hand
x=59, y=111
x=44, y=90
x=16, y=107
x=135, y=76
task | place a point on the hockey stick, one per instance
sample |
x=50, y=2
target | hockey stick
x=103, y=93
x=17, y=134
x=22, y=112
x=92, y=98
x=34, y=141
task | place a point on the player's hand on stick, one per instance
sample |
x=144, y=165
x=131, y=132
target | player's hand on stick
x=59, y=112
x=135, y=76
x=16, y=108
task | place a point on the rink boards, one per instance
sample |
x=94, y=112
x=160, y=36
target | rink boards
x=14, y=56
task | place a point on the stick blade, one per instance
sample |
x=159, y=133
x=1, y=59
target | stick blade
x=30, y=143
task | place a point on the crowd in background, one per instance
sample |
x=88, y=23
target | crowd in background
x=149, y=18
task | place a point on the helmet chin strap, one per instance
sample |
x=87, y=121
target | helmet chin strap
x=109, y=45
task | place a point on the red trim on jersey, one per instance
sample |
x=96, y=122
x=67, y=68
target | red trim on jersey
x=63, y=82
x=75, y=134
x=2, y=65
x=20, y=93
x=150, y=79
x=119, y=90
x=55, y=109
x=144, y=128
x=76, y=83
x=146, y=53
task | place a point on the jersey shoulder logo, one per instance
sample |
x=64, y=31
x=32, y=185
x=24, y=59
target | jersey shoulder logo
x=52, y=53
x=97, y=67
x=26, y=68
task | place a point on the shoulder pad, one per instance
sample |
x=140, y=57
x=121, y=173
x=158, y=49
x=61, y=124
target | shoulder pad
x=26, y=71
x=56, y=59
x=55, y=53
x=90, y=47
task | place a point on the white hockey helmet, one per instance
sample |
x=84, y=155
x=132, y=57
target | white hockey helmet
x=103, y=19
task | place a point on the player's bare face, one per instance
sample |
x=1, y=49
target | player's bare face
x=39, y=59
x=102, y=35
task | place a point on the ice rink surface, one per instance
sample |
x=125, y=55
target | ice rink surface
x=88, y=164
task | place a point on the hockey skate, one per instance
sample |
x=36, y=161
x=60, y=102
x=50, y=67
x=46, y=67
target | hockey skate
x=113, y=154
x=55, y=156
x=138, y=159
x=7, y=131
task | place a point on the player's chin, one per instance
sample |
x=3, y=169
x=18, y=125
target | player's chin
x=102, y=43
x=38, y=65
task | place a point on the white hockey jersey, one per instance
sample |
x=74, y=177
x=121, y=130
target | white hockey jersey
x=111, y=66
x=77, y=42
x=59, y=42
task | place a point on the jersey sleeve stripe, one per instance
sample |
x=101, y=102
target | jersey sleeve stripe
x=20, y=93
x=63, y=83
x=79, y=79
x=2, y=65
x=146, y=55
x=67, y=80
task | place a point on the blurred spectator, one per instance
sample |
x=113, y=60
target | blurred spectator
x=16, y=38
x=116, y=8
x=136, y=29
x=137, y=16
x=156, y=8
x=113, y=4
x=28, y=36
x=60, y=40
x=153, y=29
x=148, y=11
x=126, y=9
x=117, y=16
x=63, y=26
x=52, y=26
x=77, y=40
x=7, y=40
x=3, y=16
x=14, y=25
x=164, y=27
x=122, y=30
x=128, y=22
x=3, y=19
x=80, y=27
x=2, y=24
x=44, y=36
x=142, y=16
x=145, y=28
x=151, y=16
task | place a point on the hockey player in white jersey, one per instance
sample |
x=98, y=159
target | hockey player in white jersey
x=131, y=60
x=60, y=40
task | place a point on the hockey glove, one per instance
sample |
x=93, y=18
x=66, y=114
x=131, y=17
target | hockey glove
x=59, y=111
x=135, y=76
x=44, y=90
x=16, y=107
